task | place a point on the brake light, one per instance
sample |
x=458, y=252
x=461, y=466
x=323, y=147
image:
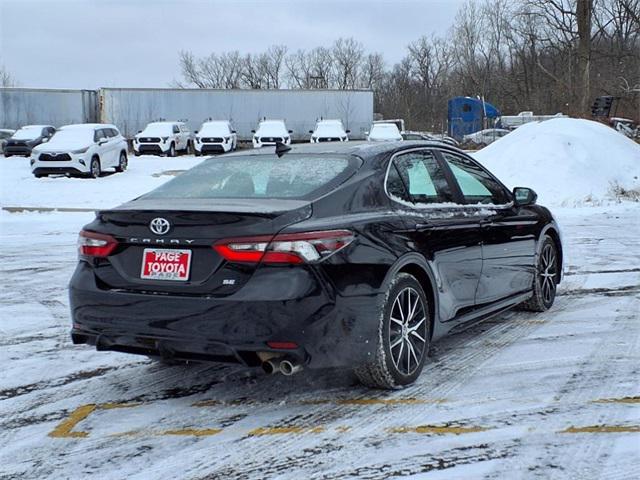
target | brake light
x=288, y=248
x=92, y=244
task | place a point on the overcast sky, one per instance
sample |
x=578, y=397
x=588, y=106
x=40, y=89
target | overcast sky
x=135, y=43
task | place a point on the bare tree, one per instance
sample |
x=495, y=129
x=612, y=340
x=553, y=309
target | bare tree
x=347, y=55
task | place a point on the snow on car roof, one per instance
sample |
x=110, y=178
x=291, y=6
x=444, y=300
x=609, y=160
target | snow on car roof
x=87, y=126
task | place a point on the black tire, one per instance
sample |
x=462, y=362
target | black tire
x=545, y=280
x=122, y=163
x=94, y=168
x=7, y=155
x=197, y=153
x=188, y=150
x=172, y=150
x=40, y=175
x=137, y=154
x=392, y=368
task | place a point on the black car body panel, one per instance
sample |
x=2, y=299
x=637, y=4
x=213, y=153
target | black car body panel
x=472, y=260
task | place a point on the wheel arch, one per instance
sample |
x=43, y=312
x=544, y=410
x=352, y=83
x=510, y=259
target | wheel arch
x=415, y=264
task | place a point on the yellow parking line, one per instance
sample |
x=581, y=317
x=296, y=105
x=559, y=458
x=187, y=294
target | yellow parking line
x=284, y=430
x=604, y=429
x=618, y=400
x=437, y=430
x=64, y=428
x=193, y=432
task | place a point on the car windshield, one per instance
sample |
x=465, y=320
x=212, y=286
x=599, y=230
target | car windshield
x=28, y=133
x=158, y=129
x=214, y=129
x=258, y=176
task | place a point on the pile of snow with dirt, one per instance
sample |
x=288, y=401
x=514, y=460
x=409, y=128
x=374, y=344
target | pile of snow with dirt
x=567, y=161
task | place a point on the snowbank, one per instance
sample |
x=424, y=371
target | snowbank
x=566, y=161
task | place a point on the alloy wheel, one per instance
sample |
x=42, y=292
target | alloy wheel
x=408, y=331
x=548, y=273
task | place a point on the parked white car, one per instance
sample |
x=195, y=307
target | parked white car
x=269, y=132
x=329, y=131
x=5, y=134
x=86, y=149
x=384, y=132
x=215, y=136
x=163, y=138
x=485, y=137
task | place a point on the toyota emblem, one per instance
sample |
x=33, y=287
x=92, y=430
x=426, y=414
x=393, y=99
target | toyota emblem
x=159, y=226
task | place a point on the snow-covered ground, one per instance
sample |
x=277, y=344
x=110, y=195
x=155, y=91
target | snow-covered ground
x=523, y=395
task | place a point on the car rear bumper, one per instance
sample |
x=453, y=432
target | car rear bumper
x=329, y=331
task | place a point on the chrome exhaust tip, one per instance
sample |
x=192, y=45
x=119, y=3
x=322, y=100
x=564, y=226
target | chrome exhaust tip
x=271, y=366
x=288, y=367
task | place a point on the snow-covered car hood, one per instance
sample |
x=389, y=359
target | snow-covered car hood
x=329, y=130
x=214, y=130
x=67, y=140
x=156, y=131
x=275, y=129
x=29, y=133
x=384, y=132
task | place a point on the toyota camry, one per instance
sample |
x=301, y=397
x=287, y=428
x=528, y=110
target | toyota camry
x=324, y=255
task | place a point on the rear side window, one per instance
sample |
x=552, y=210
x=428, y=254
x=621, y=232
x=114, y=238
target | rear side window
x=417, y=177
x=260, y=176
x=176, y=129
x=476, y=184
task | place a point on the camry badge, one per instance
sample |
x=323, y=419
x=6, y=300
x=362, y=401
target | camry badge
x=159, y=226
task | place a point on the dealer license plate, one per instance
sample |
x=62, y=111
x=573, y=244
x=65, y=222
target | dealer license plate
x=166, y=264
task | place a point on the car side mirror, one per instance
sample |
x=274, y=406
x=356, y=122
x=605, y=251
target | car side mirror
x=196, y=131
x=45, y=139
x=102, y=141
x=310, y=131
x=253, y=131
x=233, y=131
x=290, y=131
x=347, y=131
x=139, y=131
x=523, y=196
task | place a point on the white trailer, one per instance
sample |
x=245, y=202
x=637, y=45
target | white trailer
x=514, y=121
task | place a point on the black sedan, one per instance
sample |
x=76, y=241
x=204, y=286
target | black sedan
x=321, y=256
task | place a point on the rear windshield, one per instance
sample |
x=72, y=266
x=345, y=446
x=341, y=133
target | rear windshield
x=260, y=176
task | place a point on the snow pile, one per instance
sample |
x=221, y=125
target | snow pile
x=567, y=161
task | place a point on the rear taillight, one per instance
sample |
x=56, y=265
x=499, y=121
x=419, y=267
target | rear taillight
x=91, y=244
x=291, y=248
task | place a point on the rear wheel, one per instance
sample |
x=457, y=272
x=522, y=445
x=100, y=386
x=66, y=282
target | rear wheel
x=544, y=283
x=403, y=336
x=122, y=163
x=94, y=169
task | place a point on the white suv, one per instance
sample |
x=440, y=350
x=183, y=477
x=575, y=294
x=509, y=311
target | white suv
x=85, y=149
x=384, y=132
x=329, y=131
x=215, y=136
x=163, y=138
x=271, y=131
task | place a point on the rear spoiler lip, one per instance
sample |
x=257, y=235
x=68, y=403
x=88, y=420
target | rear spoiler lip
x=257, y=206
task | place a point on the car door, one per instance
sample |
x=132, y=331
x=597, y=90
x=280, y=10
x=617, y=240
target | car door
x=177, y=135
x=105, y=148
x=508, y=232
x=439, y=229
